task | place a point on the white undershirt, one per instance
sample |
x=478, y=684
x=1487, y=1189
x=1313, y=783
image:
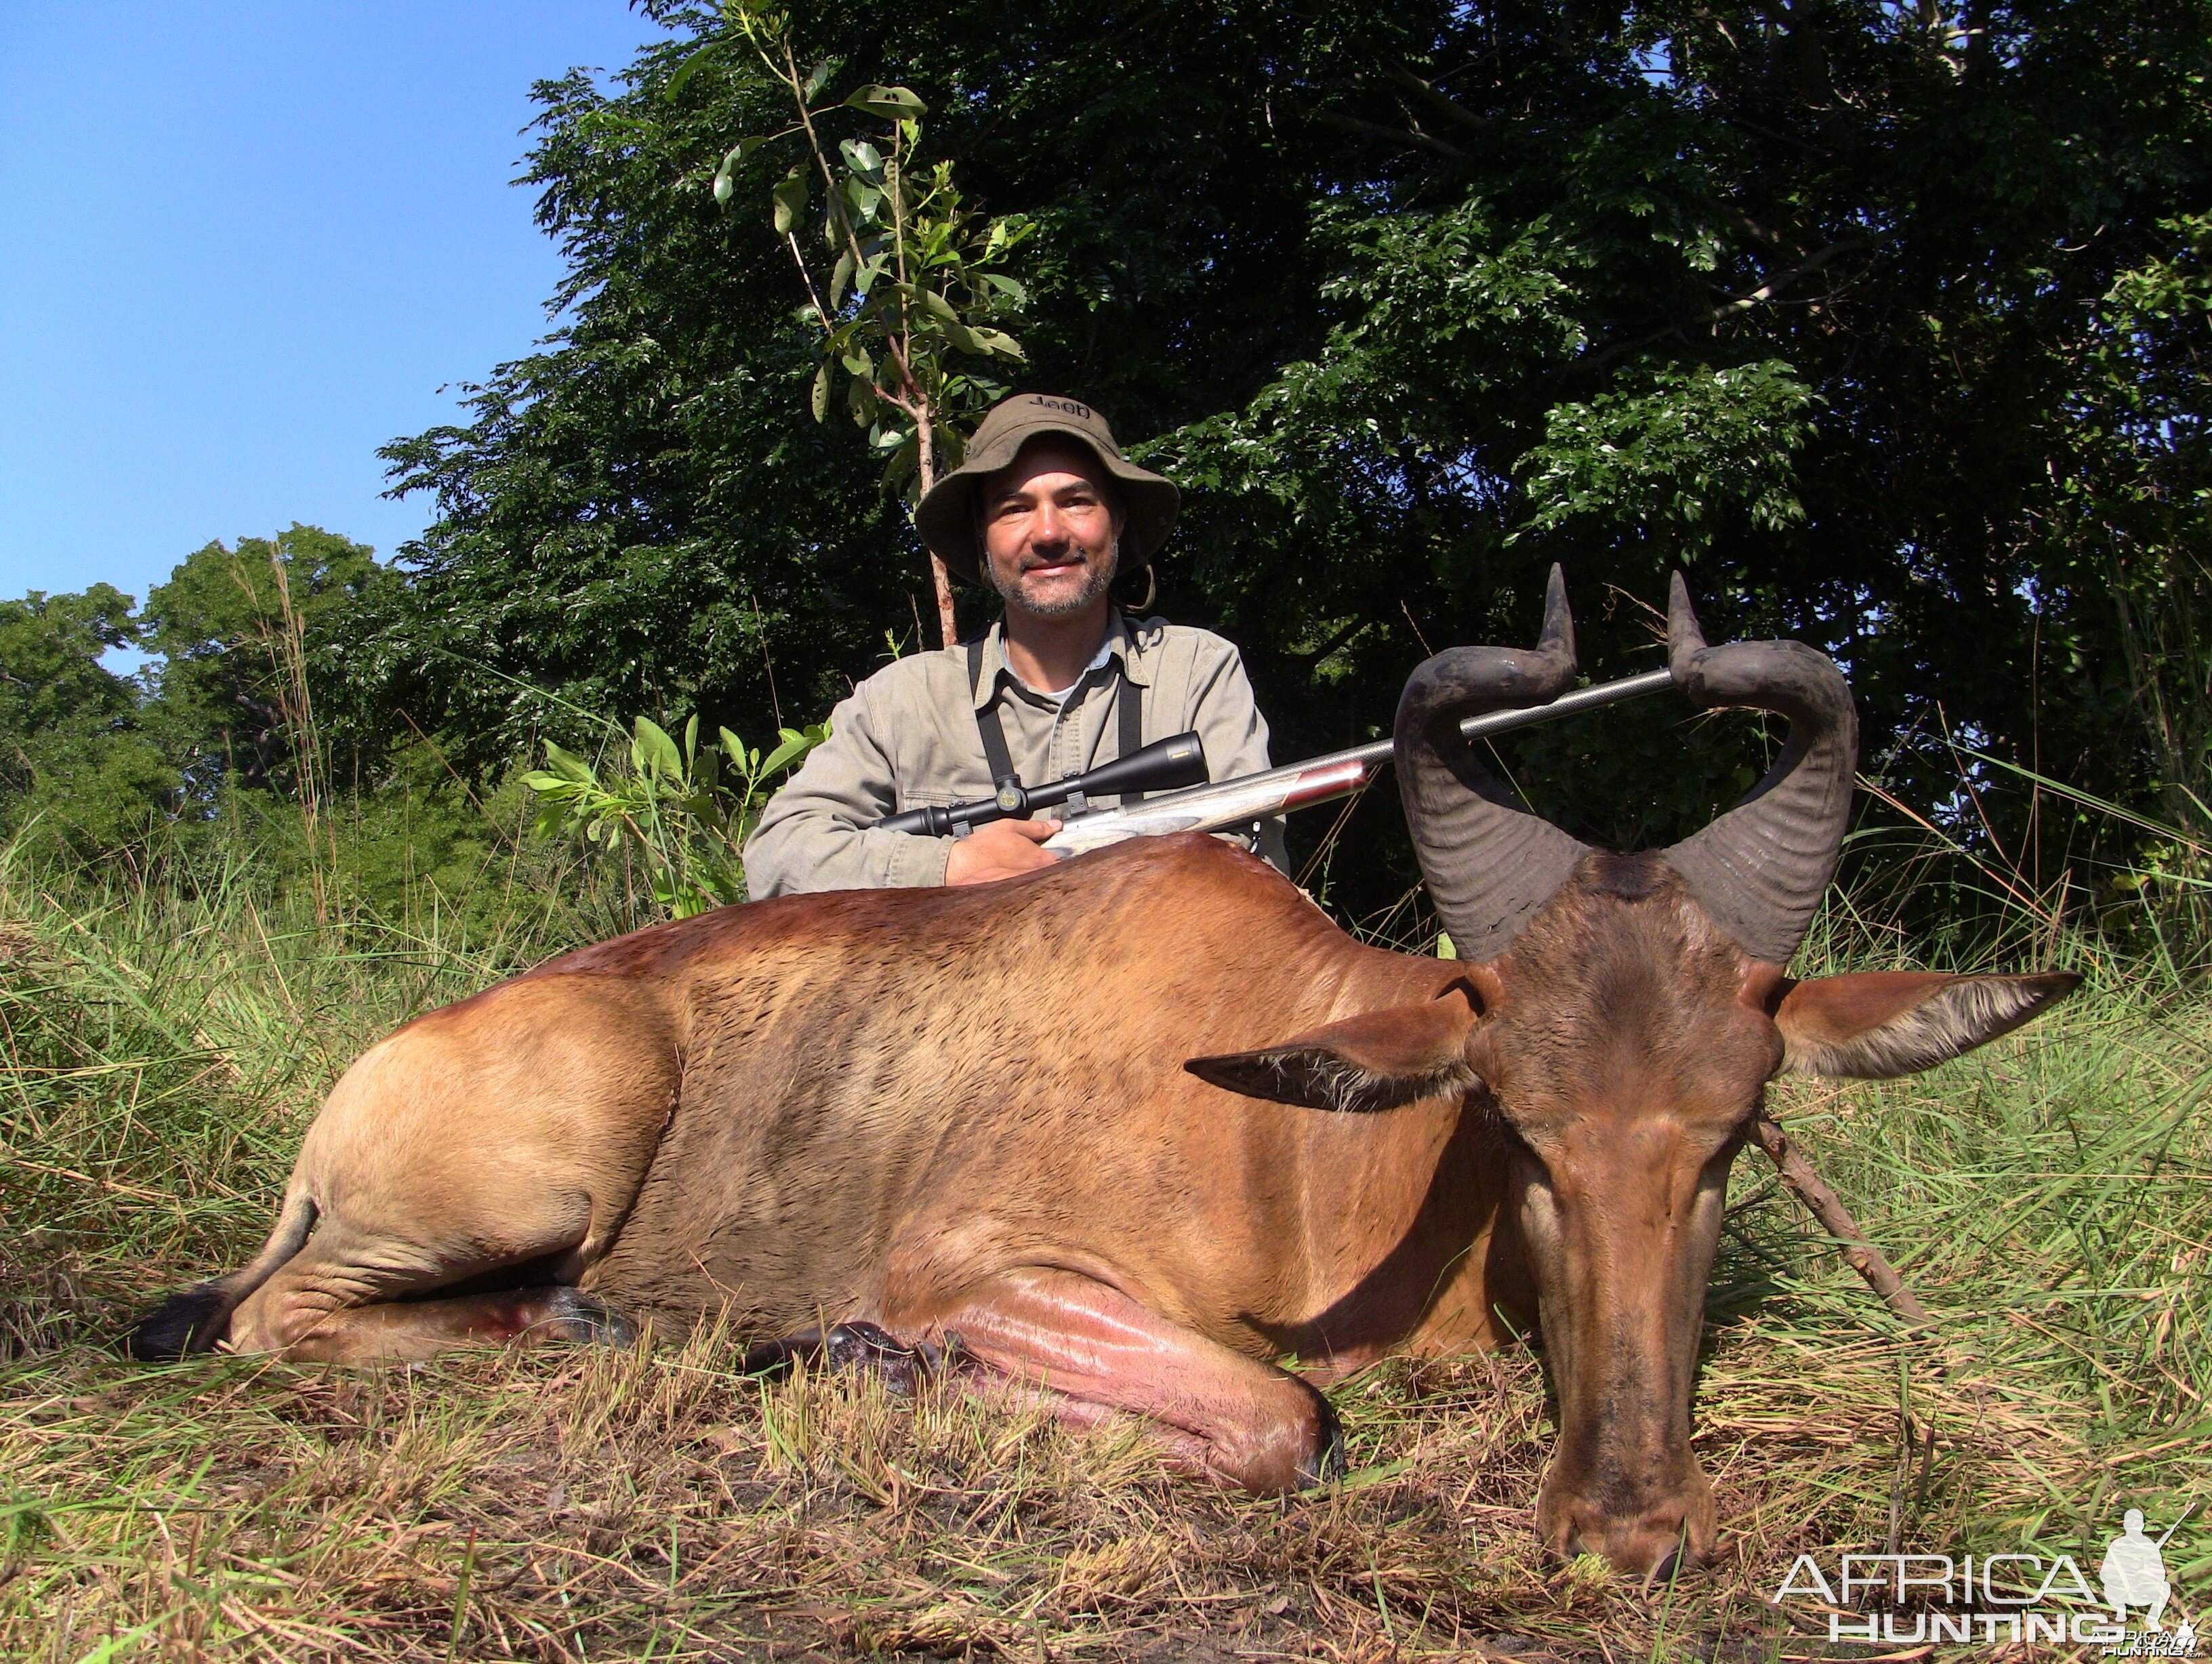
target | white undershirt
x=1097, y=662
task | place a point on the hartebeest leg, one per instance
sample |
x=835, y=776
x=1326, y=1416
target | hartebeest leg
x=1217, y=1409
x=354, y=1297
x=400, y=1331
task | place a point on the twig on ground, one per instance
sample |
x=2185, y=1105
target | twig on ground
x=1828, y=1208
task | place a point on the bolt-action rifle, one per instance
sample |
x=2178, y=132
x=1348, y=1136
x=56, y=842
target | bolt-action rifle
x=1167, y=764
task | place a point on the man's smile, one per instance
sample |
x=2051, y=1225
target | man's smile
x=1053, y=565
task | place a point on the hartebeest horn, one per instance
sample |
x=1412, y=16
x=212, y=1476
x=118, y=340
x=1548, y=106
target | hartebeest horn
x=1760, y=869
x=1490, y=863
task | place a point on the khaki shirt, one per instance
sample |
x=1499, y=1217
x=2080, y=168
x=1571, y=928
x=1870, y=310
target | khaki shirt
x=907, y=737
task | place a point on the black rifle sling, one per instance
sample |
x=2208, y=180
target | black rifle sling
x=996, y=757
x=1129, y=700
x=1129, y=704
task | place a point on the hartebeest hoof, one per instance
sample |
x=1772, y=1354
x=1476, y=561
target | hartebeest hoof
x=859, y=1344
x=552, y=1314
x=187, y=1321
x=569, y=1314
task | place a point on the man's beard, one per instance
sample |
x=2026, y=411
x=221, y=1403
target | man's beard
x=1101, y=580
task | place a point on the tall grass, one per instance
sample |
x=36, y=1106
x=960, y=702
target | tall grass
x=162, y=1047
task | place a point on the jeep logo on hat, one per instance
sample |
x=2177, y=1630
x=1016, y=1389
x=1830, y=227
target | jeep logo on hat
x=1066, y=406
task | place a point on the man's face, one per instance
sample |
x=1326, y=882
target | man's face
x=1052, y=528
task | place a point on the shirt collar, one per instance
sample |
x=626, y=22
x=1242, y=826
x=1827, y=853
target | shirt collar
x=1134, y=651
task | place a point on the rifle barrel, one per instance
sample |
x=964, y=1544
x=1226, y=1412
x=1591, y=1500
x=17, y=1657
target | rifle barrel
x=2176, y=1526
x=1255, y=797
x=1497, y=722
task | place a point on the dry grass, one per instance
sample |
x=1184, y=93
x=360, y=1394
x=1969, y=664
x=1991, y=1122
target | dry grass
x=651, y=1504
x=159, y=1057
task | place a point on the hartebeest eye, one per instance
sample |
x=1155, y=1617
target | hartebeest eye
x=1507, y=1133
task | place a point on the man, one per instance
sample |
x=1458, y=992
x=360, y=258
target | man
x=1046, y=511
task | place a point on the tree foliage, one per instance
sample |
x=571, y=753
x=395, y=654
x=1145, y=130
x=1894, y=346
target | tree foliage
x=910, y=283
x=1886, y=323
x=238, y=644
x=76, y=763
x=226, y=627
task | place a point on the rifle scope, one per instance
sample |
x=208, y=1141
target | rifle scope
x=1166, y=765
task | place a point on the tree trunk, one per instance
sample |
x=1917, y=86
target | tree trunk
x=946, y=625
x=948, y=628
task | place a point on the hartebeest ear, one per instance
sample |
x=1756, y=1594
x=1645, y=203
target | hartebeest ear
x=1876, y=1024
x=1376, y=1060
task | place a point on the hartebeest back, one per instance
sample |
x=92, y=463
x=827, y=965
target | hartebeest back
x=1136, y=1131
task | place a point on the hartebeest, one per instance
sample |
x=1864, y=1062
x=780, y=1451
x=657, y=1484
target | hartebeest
x=1136, y=1130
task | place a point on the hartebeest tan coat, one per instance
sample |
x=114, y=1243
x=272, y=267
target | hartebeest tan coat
x=1141, y=1130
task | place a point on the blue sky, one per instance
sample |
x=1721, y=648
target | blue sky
x=241, y=246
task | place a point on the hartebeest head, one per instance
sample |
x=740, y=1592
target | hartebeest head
x=1622, y=1015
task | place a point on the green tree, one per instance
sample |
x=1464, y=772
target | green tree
x=1833, y=304
x=246, y=637
x=2136, y=510
x=76, y=767
x=909, y=287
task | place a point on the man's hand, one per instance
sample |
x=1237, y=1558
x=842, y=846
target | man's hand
x=999, y=849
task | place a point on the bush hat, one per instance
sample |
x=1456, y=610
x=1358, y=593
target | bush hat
x=946, y=516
